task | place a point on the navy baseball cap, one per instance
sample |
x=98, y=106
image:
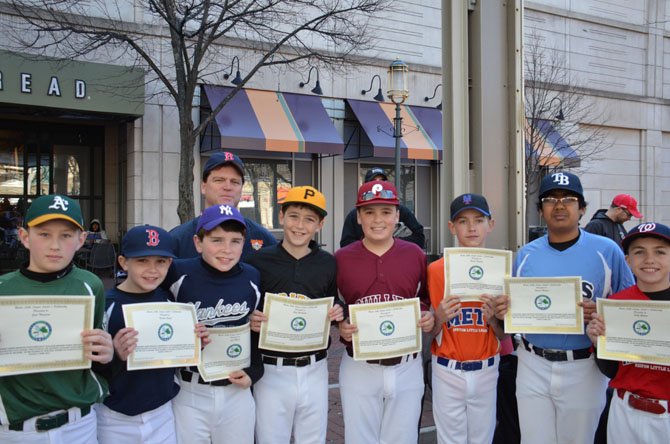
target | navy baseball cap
x=647, y=229
x=214, y=216
x=222, y=158
x=561, y=181
x=469, y=202
x=147, y=240
x=374, y=172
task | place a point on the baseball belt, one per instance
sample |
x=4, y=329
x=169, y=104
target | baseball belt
x=300, y=361
x=50, y=421
x=188, y=377
x=557, y=355
x=466, y=366
x=386, y=362
x=649, y=405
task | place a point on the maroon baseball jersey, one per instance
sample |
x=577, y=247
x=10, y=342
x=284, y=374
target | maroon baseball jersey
x=648, y=380
x=364, y=278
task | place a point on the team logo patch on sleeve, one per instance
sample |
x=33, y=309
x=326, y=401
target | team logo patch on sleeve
x=256, y=244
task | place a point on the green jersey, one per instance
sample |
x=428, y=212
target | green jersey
x=25, y=396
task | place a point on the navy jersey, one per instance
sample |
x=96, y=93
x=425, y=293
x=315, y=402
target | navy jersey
x=256, y=238
x=221, y=299
x=310, y=277
x=596, y=259
x=139, y=391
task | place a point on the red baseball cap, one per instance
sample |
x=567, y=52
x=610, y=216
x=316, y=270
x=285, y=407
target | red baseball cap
x=627, y=202
x=377, y=192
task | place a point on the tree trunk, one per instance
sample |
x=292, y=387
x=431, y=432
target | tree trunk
x=185, y=208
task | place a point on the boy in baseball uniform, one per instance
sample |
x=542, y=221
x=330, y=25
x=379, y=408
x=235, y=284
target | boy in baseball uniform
x=224, y=292
x=138, y=408
x=560, y=391
x=639, y=410
x=55, y=407
x=292, y=396
x=466, y=346
x=381, y=399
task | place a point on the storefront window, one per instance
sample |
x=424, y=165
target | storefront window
x=266, y=183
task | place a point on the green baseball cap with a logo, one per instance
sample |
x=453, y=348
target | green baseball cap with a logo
x=52, y=207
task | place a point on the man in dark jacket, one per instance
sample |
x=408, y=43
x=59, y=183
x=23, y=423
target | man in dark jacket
x=609, y=222
x=408, y=228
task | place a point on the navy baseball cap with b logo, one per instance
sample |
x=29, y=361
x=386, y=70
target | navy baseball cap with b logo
x=214, y=216
x=561, y=181
x=223, y=158
x=147, y=240
x=469, y=202
x=647, y=229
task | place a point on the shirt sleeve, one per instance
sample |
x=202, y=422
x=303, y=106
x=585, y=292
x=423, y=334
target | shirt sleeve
x=622, y=277
x=350, y=229
x=411, y=222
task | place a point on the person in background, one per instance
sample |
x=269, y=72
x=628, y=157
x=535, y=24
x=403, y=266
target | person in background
x=95, y=232
x=408, y=227
x=609, y=222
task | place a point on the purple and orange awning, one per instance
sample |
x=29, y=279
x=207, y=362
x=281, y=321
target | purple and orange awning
x=551, y=148
x=274, y=121
x=422, y=129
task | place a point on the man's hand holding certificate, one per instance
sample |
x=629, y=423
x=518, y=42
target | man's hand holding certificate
x=166, y=335
x=544, y=305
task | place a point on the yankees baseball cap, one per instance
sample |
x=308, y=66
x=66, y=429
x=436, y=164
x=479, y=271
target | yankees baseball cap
x=309, y=196
x=377, y=192
x=469, y=202
x=647, y=229
x=222, y=158
x=52, y=207
x=147, y=240
x=561, y=181
x=374, y=172
x=214, y=216
x=628, y=203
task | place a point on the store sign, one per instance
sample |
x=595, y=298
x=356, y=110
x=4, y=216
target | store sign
x=65, y=84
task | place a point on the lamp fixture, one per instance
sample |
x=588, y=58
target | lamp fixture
x=238, y=78
x=559, y=115
x=380, y=96
x=426, y=99
x=317, y=88
x=398, y=93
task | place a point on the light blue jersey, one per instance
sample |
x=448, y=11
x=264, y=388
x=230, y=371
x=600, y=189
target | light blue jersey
x=598, y=260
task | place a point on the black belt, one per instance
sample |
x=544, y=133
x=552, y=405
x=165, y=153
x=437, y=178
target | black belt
x=188, y=377
x=386, y=362
x=300, y=361
x=49, y=422
x=557, y=355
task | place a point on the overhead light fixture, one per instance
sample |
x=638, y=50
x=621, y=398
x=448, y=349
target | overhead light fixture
x=317, y=88
x=398, y=93
x=559, y=115
x=380, y=96
x=238, y=78
x=426, y=99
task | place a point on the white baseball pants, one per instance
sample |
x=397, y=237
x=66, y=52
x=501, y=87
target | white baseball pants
x=153, y=427
x=559, y=402
x=464, y=404
x=381, y=404
x=78, y=430
x=290, y=398
x=627, y=425
x=207, y=414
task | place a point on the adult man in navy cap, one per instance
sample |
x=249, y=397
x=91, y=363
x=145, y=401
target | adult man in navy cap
x=559, y=389
x=408, y=227
x=222, y=181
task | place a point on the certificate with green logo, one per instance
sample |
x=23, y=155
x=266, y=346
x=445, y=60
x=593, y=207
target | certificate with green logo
x=544, y=305
x=295, y=324
x=166, y=335
x=472, y=272
x=228, y=351
x=386, y=329
x=43, y=333
x=635, y=331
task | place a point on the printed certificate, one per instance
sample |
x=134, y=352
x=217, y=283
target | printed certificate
x=43, y=333
x=166, y=335
x=229, y=350
x=295, y=325
x=471, y=272
x=635, y=331
x=386, y=329
x=544, y=305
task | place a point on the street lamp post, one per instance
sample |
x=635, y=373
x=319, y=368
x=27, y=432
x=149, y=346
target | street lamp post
x=398, y=93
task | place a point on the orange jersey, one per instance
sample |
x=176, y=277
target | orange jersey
x=467, y=337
